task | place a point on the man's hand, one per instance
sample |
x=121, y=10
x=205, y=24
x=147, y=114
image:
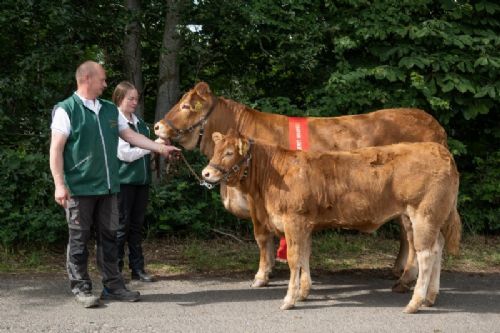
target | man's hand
x=61, y=195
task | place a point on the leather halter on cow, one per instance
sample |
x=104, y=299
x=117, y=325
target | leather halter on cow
x=297, y=193
x=325, y=134
x=179, y=133
x=238, y=170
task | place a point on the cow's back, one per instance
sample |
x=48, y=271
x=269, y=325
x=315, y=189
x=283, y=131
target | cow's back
x=377, y=128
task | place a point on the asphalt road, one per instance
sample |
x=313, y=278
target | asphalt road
x=353, y=301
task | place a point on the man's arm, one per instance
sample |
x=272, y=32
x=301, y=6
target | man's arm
x=143, y=142
x=57, y=143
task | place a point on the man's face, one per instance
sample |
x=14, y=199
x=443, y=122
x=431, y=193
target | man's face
x=97, y=82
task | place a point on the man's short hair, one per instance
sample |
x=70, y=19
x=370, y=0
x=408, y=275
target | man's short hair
x=89, y=67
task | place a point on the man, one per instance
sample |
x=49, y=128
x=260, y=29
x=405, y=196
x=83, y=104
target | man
x=83, y=162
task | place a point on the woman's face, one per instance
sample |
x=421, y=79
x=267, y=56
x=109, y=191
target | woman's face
x=129, y=103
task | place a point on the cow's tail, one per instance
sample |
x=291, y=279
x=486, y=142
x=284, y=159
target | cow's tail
x=452, y=232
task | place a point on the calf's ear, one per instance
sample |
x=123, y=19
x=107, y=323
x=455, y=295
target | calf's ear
x=216, y=137
x=242, y=147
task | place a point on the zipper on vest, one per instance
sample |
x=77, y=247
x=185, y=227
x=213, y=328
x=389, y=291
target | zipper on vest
x=145, y=169
x=105, y=154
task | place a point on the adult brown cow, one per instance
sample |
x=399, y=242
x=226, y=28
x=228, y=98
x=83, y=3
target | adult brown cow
x=298, y=192
x=199, y=113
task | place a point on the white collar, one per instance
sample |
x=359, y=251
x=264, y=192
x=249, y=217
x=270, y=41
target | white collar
x=92, y=104
x=135, y=120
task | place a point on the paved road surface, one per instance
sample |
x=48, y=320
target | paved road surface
x=339, y=302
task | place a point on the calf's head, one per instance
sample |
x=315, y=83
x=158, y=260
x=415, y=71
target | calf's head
x=230, y=159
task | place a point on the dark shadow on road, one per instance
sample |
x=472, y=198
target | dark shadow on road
x=460, y=292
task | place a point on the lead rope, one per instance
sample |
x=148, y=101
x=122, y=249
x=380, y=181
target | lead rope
x=202, y=182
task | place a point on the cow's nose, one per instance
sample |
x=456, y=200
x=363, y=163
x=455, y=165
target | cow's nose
x=157, y=127
x=206, y=174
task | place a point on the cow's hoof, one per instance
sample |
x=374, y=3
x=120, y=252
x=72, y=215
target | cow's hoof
x=400, y=287
x=287, y=306
x=397, y=272
x=258, y=283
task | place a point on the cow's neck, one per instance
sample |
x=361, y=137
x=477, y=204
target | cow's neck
x=227, y=114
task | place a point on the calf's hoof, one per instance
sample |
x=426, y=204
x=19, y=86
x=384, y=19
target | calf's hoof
x=411, y=309
x=430, y=300
x=287, y=306
x=400, y=287
x=414, y=305
x=259, y=283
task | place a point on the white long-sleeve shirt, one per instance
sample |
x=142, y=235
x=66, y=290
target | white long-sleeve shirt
x=126, y=152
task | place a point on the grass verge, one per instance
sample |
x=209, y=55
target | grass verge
x=332, y=251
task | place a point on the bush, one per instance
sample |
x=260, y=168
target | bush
x=479, y=201
x=179, y=205
x=27, y=208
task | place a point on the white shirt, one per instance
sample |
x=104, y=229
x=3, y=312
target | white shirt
x=127, y=153
x=61, y=123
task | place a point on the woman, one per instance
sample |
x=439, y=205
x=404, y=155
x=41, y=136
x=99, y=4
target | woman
x=135, y=177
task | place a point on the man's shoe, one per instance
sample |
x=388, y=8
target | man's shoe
x=142, y=275
x=120, y=295
x=87, y=299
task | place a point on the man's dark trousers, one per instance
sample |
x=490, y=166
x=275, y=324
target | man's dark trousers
x=97, y=214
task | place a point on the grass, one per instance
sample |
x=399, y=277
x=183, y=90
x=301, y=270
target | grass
x=332, y=251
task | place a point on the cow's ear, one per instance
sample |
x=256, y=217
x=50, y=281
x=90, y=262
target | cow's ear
x=216, y=136
x=203, y=89
x=242, y=147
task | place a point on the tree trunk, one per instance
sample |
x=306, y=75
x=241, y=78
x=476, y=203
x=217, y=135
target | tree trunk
x=132, y=51
x=168, y=87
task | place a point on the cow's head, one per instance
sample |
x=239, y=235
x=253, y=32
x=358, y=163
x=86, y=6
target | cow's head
x=230, y=159
x=184, y=122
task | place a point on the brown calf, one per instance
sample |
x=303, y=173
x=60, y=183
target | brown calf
x=298, y=192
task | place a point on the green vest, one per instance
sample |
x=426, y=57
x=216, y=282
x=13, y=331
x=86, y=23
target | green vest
x=90, y=162
x=137, y=172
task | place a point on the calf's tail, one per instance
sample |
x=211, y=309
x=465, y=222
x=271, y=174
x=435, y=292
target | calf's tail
x=452, y=232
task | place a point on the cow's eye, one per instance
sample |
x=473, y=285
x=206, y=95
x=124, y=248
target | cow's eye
x=229, y=153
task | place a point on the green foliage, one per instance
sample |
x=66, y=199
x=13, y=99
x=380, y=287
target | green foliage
x=27, y=209
x=295, y=58
x=179, y=205
x=480, y=199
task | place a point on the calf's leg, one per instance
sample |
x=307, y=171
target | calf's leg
x=427, y=246
x=265, y=241
x=433, y=290
x=305, y=272
x=297, y=239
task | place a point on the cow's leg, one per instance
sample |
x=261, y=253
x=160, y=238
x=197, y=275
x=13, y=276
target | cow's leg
x=305, y=272
x=297, y=240
x=265, y=241
x=401, y=259
x=433, y=290
x=410, y=271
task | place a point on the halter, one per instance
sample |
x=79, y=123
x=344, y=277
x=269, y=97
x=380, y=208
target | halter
x=233, y=170
x=180, y=132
